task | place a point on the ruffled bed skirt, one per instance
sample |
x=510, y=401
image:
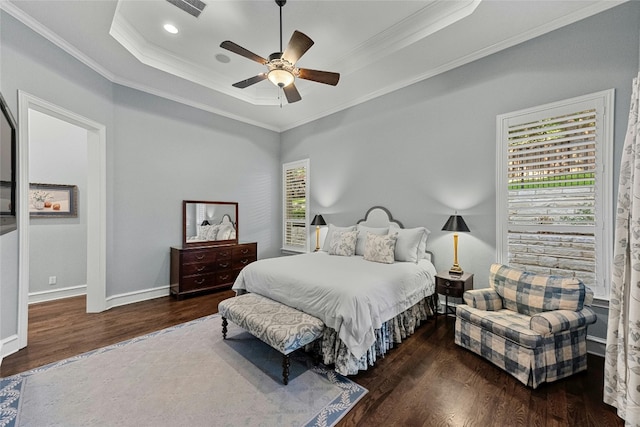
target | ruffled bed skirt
x=335, y=352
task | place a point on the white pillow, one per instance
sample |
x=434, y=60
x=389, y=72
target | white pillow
x=411, y=244
x=343, y=243
x=332, y=228
x=362, y=236
x=380, y=248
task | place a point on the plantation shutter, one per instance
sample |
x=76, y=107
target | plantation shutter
x=296, y=197
x=554, y=191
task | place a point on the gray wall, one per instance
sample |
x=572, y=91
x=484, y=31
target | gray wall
x=158, y=153
x=423, y=151
x=165, y=153
x=57, y=246
x=429, y=149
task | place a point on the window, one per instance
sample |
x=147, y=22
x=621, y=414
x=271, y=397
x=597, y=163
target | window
x=554, y=191
x=295, y=178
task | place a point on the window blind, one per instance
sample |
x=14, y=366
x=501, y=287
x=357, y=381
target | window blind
x=551, y=190
x=295, y=232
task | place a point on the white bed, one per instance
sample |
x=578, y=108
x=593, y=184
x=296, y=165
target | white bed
x=367, y=306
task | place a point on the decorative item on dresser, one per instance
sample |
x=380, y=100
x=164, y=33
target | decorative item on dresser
x=452, y=285
x=210, y=258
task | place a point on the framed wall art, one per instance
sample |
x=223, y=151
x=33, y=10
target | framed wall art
x=53, y=200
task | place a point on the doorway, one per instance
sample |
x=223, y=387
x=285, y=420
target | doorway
x=95, y=205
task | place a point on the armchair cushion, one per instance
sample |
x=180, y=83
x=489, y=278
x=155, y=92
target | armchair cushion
x=483, y=299
x=552, y=322
x=530, y=293
x=502, y=323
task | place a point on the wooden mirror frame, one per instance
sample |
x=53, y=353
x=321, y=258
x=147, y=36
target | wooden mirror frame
x=191, y=243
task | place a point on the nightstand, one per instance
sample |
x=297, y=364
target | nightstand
x=452, y=285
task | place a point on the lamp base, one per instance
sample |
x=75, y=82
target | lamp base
x=456, y=270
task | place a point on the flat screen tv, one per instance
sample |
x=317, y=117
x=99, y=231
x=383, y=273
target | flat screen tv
x=7, y=169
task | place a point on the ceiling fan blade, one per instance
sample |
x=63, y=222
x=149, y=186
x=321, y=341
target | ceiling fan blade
x=325, y=77
x=250, y=81
x=291, y=93
x=229, y=45
x=298, y=45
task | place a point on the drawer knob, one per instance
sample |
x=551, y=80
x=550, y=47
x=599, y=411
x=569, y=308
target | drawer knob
x=245, y=251
x=225, y=277
x=447, y=284
x=199, y=257
x=199, y=281
x=199, y=269
x=224, y=265
x=244, y=261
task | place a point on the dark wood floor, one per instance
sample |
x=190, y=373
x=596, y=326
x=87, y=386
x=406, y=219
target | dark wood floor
x=426, y=381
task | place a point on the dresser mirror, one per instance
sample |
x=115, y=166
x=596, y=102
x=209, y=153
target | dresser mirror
x=209, y=223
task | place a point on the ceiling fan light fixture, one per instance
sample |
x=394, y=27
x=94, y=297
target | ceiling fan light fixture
x=280, y=77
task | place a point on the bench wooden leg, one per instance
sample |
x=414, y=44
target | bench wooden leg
x=224, y=328
x=285, y=369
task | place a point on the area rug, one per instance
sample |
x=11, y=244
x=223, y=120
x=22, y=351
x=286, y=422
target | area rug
x=184, y=375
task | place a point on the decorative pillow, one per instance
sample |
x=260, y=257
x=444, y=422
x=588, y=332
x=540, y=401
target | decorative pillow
x=362, y=236
x=343, y=243
x=529, y=293
x=380, y=248
x=224, y=233
x=332, y=228
x=411, y=245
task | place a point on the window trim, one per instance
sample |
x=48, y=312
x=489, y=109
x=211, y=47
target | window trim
x=306, y=163
x=604, y=102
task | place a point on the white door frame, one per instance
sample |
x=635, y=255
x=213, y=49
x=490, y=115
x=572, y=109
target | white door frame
x=96, y=206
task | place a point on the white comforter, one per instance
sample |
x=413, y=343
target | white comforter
x=348, y=294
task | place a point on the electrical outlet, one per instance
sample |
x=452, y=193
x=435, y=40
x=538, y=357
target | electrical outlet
x=52, y=280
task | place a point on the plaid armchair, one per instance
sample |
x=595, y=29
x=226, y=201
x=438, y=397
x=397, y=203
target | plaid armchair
x=532, y=326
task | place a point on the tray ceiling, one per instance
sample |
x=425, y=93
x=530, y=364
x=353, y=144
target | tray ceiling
x=376, y=46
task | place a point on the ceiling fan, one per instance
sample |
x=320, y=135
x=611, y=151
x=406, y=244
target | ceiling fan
x=281, y=66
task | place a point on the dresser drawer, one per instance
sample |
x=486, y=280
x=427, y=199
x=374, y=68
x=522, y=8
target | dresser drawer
x=240, y=263
x=224, y=253
x=193, y=283
x=224, y=264
x=202, y=256
x=244, y=250
x=226, y=277
x=201, y=268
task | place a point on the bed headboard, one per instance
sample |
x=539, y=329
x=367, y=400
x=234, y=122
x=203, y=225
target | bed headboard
x=378, y=216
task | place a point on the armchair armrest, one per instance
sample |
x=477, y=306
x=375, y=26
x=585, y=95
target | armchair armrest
x=483, y=299
x=554, y=321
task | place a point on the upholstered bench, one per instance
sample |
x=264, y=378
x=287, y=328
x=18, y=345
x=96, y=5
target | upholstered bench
x=282, y=327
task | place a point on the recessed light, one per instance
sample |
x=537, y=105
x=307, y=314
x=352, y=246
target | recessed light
x=170, y=28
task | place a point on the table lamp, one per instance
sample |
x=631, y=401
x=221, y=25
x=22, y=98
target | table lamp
x=318, y=221
x=455, y=223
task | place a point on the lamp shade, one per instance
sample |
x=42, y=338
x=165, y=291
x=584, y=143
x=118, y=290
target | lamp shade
x=455, y=223
x=318, y=220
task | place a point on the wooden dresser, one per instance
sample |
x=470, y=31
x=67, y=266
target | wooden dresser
x=208, y=268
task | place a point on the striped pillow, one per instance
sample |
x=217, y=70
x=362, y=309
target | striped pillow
x=530, y=293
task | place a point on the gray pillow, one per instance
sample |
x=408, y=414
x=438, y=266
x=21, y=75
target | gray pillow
x=411, y=244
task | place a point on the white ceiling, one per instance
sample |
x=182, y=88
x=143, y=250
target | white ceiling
x=376, y=46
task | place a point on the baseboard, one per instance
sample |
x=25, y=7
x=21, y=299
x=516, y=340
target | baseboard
x=54, y=294
x=596, y=345
x=137, y=296
x=9, y=346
